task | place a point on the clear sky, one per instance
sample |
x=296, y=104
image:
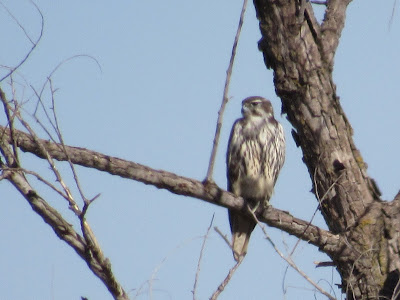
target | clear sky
x=155, y=102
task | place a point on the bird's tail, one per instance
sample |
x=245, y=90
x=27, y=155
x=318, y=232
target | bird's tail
x=241, y=228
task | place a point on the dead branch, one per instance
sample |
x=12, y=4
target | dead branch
x=196, y=280
x=86, y=247
x=228, y=277
x=225, y=97
x=289, y=259
x=180, y=185
x=34, y=43
x=99, y=265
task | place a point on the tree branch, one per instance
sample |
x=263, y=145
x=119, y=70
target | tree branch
x=211, y=193
x=83, y=246
x=99, y=265
x=225, y=97
x=332, y=27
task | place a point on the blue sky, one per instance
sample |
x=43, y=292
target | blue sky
x=155, y=101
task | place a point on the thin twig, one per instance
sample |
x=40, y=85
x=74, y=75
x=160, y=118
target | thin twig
x=289, y=260
x=158, y=267
x=12, y=70
x=61, y=139
x=225, y=98
x=196, y=280
x=225, y=282
x=330, y=284
x=18, y=22
x=228, y=277
x=320, y=200
x=224, y=237
x=40, y=178
x=39, y=95
x=72, y=204
x=34, y=115
x=392, y=16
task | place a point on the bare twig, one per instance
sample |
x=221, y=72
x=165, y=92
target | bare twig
x=330, y=284
x=18, y=23
x=158, y=267
x=87, y=203
x=320, y=200
x=86, y=247
x=224, y=237
x=35, y=43
x=65, y=231
x=289, y=260
x=40, y=178
x=225, y=98
x=196, y=280
x=228, y=277
x=392, y=15
x=225, y=282
x=39, y=95
x=61, y=139
x=48, y=157
x=72, y=204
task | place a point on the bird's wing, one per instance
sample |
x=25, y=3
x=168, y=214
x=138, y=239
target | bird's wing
x=272, y=139
x=233, y=157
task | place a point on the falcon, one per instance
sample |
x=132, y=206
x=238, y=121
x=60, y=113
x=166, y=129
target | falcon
x=256, y=153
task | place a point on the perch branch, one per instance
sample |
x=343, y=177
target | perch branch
x=180, y=185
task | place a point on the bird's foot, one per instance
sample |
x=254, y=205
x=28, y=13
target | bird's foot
x=254, y=209
x=267, y=205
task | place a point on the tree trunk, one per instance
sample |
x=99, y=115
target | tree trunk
x=301, y=53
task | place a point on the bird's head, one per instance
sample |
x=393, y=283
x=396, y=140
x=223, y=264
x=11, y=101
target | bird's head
x=256, y=106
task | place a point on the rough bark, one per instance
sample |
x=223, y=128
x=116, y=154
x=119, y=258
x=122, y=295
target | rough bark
x=301, y=53
x=211, y=193
x=85, y=246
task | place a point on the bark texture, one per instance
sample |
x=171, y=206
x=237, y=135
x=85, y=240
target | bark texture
x=300, y=52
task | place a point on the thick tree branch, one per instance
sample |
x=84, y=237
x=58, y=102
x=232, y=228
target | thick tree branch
x=211, y=193
x=332, y=27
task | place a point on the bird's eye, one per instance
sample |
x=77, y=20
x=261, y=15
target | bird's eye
x=254, y=103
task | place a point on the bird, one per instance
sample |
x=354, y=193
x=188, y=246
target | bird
x=255, y=156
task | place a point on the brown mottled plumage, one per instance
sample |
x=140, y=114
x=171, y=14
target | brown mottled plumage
x=256, y=153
